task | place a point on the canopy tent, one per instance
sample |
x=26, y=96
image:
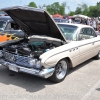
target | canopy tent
x=69, y=17
x=80, y=16
x=57, y=16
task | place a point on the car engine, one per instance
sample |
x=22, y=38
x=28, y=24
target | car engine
x=31, y=48
x=27, y=51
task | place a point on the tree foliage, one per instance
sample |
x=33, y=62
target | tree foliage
x=82, y=9
x=71, y=13
x=56, y=8
x=92, y=11
x=32, y=4
x=78, y=10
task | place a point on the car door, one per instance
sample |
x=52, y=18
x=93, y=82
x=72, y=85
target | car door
x=96, y=43
x=86, y=40
x=74, y=52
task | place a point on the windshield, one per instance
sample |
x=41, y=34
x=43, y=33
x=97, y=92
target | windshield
x=2, y=25
x=68, y=31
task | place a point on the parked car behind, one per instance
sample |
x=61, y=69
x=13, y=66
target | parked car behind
x=8, y=26
x=2, y=13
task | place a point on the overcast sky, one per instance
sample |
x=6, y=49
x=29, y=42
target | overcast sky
x=71, y=3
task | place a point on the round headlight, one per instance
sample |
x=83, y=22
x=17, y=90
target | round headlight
x=1, y=53
x=38, y=64
x=32, y=63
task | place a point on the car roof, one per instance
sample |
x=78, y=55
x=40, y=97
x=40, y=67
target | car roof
x=78, y=25
x=6, y=18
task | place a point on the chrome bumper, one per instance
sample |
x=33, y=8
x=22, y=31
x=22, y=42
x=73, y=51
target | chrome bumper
x=44, y=73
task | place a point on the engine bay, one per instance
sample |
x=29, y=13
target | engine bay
x=32, y=47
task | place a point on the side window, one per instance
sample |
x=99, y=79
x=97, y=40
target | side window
x=12, y=26
x=93, y=33
x=8, y=27
x=86, y=33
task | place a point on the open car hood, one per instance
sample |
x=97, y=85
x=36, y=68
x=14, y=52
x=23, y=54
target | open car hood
x=34, y=21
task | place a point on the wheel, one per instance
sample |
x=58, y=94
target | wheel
x=61, y=70
x=98, y=56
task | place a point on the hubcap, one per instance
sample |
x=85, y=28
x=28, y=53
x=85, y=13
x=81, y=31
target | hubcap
x=61, y=69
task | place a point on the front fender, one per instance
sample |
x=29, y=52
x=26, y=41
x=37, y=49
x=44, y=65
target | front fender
x=52, y=60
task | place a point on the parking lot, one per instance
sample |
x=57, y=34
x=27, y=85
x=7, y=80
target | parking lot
x=82, y=83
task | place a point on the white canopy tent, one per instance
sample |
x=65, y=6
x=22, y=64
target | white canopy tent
x=80, y=16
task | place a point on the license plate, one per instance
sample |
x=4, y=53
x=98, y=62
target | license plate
x=13, y=68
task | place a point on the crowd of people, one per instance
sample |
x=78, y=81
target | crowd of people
x=94, y=22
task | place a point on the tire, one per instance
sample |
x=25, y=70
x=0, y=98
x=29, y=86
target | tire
x=61, y=70
x=97, y=56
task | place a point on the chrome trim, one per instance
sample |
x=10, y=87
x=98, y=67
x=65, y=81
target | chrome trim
x=44, y=73
x=17, y=59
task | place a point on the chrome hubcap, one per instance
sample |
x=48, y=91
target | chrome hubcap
x=61, y=69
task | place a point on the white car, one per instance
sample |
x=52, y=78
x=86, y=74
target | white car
x=48, y=49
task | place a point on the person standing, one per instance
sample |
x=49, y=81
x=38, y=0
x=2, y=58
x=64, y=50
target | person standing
x=88, y=22
x=91, y=22
x=94, y=24
x=98, y=32
x=69, y=20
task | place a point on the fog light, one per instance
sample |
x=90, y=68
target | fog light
x=38, y=64
x=1, y=53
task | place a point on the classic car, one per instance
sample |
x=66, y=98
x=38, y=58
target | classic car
x=2, y=13
x=48, y=49
x=9, y=29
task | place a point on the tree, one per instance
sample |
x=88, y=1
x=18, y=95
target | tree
x=56, y=8
x=78, y=10
x=32, y=4
x=92, y=11
x=71, y=13
x=98, y=9
x=84, y=8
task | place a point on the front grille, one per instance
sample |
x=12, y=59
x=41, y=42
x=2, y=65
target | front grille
x=17, y=59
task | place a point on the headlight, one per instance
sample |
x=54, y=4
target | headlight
x=32, y=63
x=38, y=64
x=1, y=53
x=35, y=63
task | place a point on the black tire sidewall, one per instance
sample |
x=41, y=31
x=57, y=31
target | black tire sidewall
x=97, y=56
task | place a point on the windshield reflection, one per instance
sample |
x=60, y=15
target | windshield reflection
x=68, y=31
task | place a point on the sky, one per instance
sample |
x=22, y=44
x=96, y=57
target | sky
x=71, y=3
